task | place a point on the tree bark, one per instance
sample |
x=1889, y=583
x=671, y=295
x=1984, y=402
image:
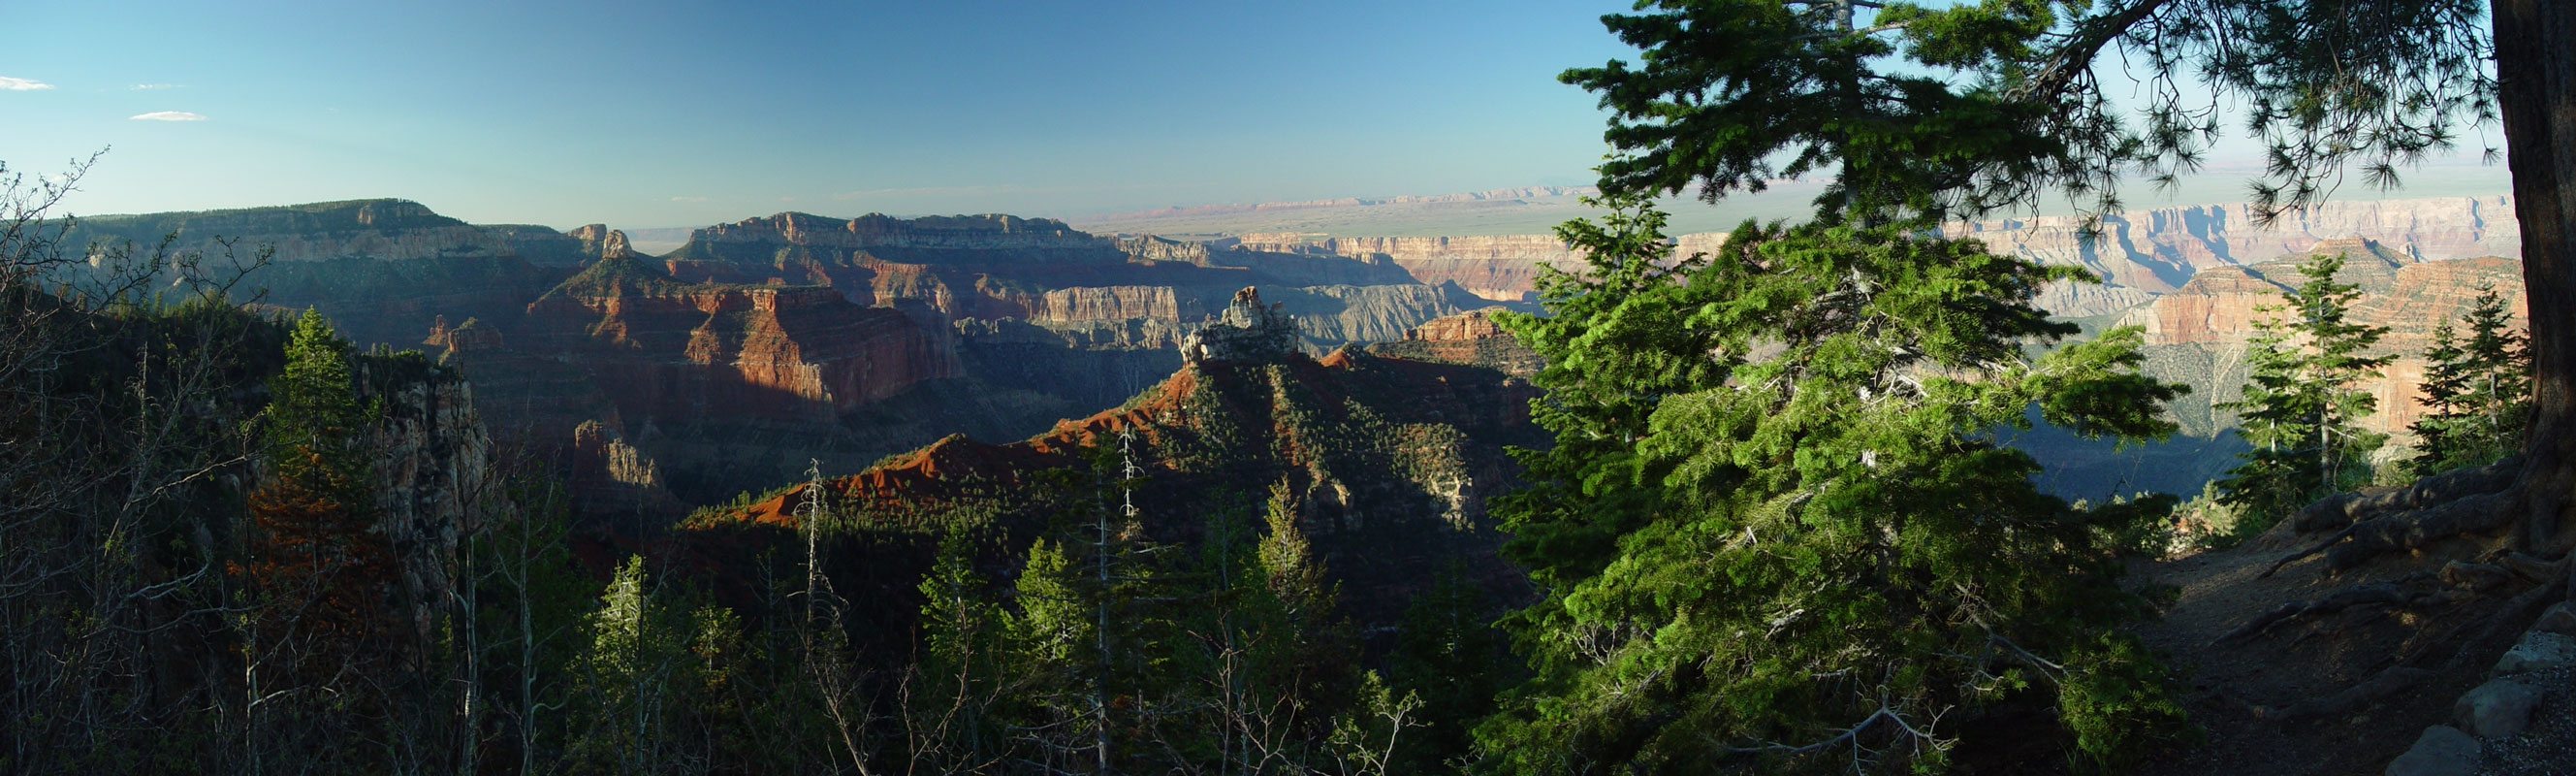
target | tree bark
x=2536, y=73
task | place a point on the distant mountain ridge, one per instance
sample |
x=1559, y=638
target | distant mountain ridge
x=384, y=228
x=1521, y=192
x=2139, y=254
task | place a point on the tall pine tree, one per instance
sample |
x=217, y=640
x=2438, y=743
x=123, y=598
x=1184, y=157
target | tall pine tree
x=1774, y=533
x=318, y=633
x=2479, y=390
x=2303, y=401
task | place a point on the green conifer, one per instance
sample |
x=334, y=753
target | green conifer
x=2303, y=401
x=2479, y=390
x=1774, y=533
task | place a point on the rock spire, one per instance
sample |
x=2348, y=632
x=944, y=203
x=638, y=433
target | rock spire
x=1247, y=331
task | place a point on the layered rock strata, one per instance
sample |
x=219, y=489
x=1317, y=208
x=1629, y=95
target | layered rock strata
x=669, y=349
x=1470, y=337
x=2137, y=253
x=990, y=267
x=388, y=229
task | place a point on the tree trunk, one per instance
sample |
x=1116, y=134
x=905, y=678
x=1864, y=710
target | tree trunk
x=2536, y=70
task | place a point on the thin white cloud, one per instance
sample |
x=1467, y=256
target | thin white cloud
x=168, y=115
x=8, y=84
x=688, y=199
x=150, y=87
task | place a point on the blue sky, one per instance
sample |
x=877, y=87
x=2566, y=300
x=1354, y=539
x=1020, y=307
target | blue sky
x=680, y=113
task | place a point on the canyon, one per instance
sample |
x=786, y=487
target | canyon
x=756, y=348
x=2209, y=320
x=760, y=347
x=2198, y=335
x=1387, y=463
x=2137, y=254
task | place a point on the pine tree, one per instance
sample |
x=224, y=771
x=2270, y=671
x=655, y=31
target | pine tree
x=1095, y=613
x=956, y=695
x=1448, y=654
x=318, y=636
x=1957, y=111
x=632, y=677
x=2303, y=400
x=535, y=601
x=2479, y=390
x=958, y=620
x=2445, y=378
x=1773, y=531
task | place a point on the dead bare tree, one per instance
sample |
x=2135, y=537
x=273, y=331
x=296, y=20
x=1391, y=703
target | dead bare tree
x=116, y=374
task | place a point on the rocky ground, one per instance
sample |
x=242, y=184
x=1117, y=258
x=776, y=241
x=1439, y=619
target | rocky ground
x=2548, y=746
x=2352, y=691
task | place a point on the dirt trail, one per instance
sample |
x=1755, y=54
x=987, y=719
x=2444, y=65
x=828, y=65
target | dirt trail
x=2270, y=704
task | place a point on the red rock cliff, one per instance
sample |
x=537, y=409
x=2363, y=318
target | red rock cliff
x=669, y=349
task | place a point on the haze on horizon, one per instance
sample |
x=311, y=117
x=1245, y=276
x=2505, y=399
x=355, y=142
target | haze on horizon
x=664, y=114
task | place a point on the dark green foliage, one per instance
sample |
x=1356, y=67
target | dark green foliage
x=529, y=605
x=1450, y=655
x=1941, y=112
x=1113, y=653
x=313, y=417
x=654, y=681
x=1768, y=531
x=1730, y=94
x=2303, y=399
x=1772, y=534
x=2479, y=391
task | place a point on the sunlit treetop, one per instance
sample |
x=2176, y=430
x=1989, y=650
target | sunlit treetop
x=1922, y=112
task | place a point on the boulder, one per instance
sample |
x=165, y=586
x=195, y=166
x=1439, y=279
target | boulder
x=2442, y=751
x=2559, y=619
x=2498, y=709
x=2539, y=650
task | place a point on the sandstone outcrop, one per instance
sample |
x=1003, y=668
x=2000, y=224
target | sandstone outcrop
x=2139, y=253
x=2083, y=300
x=1248, y=331
x=1099, y=303
x=1331, y=316
x=1465, y=338
x=1501, y=267
x=990, y=267
x=672, y=349
x=432, y=465
x=1490, y=195
x=609, y=473
x=600, y=242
